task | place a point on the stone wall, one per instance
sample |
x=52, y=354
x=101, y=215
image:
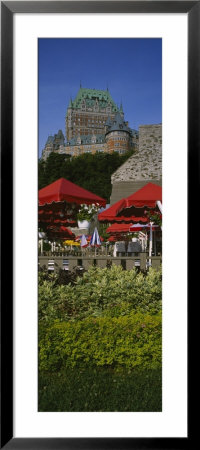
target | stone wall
x=150, y=136
x=141, y=168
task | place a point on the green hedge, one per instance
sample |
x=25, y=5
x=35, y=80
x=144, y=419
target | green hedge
x=100, y=292
x=131, y=341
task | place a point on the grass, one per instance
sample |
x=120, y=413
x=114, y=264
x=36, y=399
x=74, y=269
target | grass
x=100, y=389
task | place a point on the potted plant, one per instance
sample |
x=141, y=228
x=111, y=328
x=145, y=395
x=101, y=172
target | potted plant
x=86, y=214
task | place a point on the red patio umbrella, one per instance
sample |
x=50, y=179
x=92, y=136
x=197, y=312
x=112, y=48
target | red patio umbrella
x=111, y=215
x=118, y=228
x=60, y=201
x=60, y=232
x=64, y=190
x=112, y=238
x=147, y=196
x=132, y=208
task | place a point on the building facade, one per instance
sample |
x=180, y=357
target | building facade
x=118, y=136
x=88, y=112
x=93, y=123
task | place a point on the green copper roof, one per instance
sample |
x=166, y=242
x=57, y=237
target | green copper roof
x=90, y=96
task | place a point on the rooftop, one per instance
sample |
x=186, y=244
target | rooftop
x=117, y=124
x=91, y=97
x=86, y=139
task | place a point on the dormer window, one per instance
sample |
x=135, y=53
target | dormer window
x=83, y=105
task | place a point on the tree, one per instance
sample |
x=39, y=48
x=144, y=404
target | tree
x=92, y=172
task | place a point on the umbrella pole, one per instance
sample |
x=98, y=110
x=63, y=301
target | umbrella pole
x=150, y=243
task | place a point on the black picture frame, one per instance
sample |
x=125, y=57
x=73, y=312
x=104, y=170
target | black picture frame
x=8, y=9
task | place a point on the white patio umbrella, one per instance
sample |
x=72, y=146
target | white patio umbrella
x=95, y=239
x=84, y=242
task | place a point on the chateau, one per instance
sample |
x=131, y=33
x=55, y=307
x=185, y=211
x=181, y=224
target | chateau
x=93, y=123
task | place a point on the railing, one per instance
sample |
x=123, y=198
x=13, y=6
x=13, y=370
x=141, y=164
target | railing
x=54, y=262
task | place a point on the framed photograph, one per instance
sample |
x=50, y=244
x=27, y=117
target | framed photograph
x=52, y=56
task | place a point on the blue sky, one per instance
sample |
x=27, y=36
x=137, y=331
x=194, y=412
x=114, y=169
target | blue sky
x=130, y=68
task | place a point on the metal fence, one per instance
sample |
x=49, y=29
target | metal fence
x=55, y=262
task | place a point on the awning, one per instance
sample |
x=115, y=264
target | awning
x=118, y=228
x=147, y=196
x=59, y=232
x=64, y=190
x=110, y=215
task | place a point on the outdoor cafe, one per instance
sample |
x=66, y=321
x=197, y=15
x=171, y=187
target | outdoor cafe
x=133, y=228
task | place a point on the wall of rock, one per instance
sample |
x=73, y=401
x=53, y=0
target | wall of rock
x=141, y=168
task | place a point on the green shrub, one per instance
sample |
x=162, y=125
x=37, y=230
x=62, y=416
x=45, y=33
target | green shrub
x=129, y=341
x=100, y=292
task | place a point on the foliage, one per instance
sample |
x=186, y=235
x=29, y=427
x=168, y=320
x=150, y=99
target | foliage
x=102, y=227
x=63, y=277
x=155, y=217
x=100, y=340
x=99, y=292
x=87, y=212
x=131, y=341
x=46, y=246
x=100, y=389
x=92, y=172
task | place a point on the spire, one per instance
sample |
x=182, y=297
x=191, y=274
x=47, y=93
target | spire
x=70, y=103
x=121, y=107
x=80, y=84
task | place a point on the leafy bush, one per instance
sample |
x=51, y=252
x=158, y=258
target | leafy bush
x=99, y=292
x=131, y=341
x=100, y=340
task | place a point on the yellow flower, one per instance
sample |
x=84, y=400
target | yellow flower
x=70, y=242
